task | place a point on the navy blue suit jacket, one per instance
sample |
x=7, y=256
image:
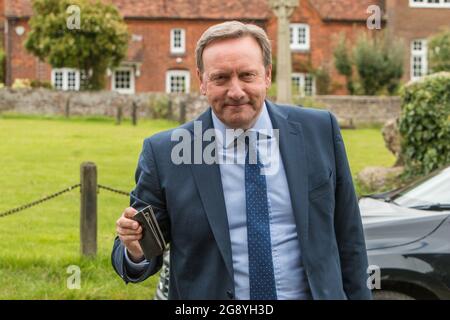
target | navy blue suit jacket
x=193, y=217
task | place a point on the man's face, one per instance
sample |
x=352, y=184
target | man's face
x=235, y=81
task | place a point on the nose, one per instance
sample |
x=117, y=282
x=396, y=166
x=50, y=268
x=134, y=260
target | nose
x=235, y=91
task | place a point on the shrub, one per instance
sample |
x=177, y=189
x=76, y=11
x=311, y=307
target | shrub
x=21, y=84
x=323, y=80
x=439, y=52
x=425, y=124
x=160, y=107
x=374, y=66
x=41, y=84
x=379, y=64
x=343, y=63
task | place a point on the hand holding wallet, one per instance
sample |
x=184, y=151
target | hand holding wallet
x=152, y=241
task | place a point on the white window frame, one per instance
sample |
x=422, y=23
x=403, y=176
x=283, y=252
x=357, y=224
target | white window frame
x=423, y=54
x=302, y=78
x=426, y=4
x=183, y=73
x=65, y=78
x=294, y=28
x=130, y=90
x=182, y=48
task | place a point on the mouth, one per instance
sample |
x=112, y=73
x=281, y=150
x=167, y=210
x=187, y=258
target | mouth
x=236, y=106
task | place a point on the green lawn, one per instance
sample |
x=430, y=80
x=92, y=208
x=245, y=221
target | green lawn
x=40, y=156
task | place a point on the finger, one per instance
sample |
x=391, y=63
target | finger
x=129, y=212
x=130, y=238
x=126, y=231
x=127, y=223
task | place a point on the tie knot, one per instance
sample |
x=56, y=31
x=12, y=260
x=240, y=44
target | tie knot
x=251, y=138
x=251, y=141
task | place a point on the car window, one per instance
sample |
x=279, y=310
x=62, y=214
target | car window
x=436, y=189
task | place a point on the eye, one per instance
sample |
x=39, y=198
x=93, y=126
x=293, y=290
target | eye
x=219, y=78
x=247, y=76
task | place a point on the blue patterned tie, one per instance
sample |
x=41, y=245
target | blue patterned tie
x=262, y=279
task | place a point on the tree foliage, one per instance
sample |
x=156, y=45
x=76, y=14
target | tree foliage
x=343, y=63
x=100, y=41
x=374, y=66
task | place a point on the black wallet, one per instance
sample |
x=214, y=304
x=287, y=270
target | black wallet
x=152, y=241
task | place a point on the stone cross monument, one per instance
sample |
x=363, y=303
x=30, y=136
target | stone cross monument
x=283, y=9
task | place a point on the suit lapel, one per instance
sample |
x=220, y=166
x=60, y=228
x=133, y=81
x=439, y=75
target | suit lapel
x=209, y=185
x=293, y=154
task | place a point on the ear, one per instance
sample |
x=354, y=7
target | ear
x=202, y=83
x=268, y=76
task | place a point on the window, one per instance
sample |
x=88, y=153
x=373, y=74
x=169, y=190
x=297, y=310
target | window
x=303, y=84
x=83, y=80
x=299, y=36
x=419, y=63
x=72, y=82
x=123, y=80
x=429, y=3
x=177, y=81
x=66, y=79
x=177, y=41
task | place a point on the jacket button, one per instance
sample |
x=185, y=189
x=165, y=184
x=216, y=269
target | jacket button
x=230, y=294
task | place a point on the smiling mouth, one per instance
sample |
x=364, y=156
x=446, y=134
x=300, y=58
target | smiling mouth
x=236, y=105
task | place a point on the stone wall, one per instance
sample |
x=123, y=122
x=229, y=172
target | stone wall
x=367, y=110
x=103, y=103
x=358, y=109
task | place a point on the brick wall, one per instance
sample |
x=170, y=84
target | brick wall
x=157, y=59
x=22, y=65
x=2, y=22
x=324, y=36
x=414, y=23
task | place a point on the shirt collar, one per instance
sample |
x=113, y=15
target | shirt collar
x=263, y=125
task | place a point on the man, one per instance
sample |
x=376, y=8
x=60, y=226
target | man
x=236, y=231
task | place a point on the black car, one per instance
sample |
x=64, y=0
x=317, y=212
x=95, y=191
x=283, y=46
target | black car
x=407, y=237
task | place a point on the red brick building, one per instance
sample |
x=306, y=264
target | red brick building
x=163, y=35
x=414, y=21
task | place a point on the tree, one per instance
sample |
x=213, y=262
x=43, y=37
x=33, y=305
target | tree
x=374, y=66
x=439, y=52
x=379, y=63
x=97, y=43
x=343, y=63
x=2, y=66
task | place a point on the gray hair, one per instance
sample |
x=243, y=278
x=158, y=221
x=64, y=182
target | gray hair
x=233, y=30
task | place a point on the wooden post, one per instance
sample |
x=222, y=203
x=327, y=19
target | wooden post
x=134, y=113
x=119, y=115
x=67, y=109
x=182, y=112
x=170, y=109
x=88, y=209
